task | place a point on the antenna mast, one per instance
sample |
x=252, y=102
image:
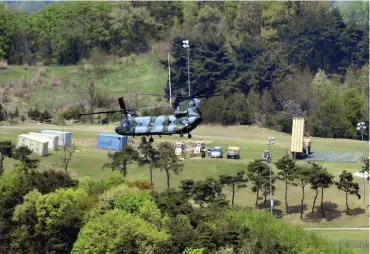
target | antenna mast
x=169, y=79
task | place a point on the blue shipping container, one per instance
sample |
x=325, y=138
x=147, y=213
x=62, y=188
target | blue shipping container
x=111, y=141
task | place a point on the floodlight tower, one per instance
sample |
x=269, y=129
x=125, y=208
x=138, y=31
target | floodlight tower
x=270, y=142
x=185, y=44
x=361, y=126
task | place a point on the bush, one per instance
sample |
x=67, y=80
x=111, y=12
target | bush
x=34, y=114
x=45, y=116
x=93, y=187
x=71, y=113
x=118, y=232
x=132, y=203
x=141, y=184
x=280, y=122
x=107, y=199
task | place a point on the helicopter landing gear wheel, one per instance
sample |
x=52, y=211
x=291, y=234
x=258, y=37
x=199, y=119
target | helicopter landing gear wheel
x=189, y=135
x=151, y=139
x=181, y=135
x=143, y=139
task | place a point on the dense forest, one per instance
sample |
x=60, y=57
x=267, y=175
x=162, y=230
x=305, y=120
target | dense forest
x=277, y=60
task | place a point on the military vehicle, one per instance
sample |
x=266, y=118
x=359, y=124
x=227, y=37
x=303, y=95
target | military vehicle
x=217, y=152
x=300, y=146
x=179, y=148
x=233, y=152
x=185, y=119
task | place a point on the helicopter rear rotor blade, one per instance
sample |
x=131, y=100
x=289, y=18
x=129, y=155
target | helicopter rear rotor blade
x=122, y=105
x=207, y=96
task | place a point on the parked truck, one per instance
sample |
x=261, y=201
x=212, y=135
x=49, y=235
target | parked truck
x=233, y=152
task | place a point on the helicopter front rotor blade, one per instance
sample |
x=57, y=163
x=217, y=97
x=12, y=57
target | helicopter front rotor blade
x=102, y=112
x=162, y=106
x=158, y=95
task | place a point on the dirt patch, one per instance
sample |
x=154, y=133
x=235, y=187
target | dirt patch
x=90, y=142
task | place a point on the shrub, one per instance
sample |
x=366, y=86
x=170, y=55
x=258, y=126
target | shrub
x=99, y=186
x=141, y=184
x=34, y=114
x=45, y=116
x=117, y=231
x=71, y=113
x=132, y=203
x=107, y=199
x=193, y=251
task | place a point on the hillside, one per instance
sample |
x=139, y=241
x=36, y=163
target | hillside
x=49, y=87
x=270, y=59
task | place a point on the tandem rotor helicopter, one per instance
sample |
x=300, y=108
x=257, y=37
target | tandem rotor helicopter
x=185, y=119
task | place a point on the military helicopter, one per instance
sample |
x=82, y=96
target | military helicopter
x=185, y=119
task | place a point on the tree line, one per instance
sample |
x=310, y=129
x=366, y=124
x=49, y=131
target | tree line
x=48, y=211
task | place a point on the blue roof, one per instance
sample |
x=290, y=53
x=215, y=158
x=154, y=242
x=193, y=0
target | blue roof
x=109, y=135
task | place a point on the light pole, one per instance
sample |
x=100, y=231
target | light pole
x=362, y=126
x=185, y=44
x=270, y=142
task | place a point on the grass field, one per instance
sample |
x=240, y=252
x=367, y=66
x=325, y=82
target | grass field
x=120, y=77
x=88, y=162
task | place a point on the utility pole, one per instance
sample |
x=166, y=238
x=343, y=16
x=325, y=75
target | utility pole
x=270, y=142
x=361, y=126
x=186, y=45
x=169, y=79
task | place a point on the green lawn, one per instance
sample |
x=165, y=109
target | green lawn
x=358, y=241
x=120, y=78
x=88, y=162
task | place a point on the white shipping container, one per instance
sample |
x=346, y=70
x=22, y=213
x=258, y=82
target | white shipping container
x=64, y=137
x=53, y=139
x=36, y=145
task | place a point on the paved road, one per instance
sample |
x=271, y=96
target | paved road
x=336, y=229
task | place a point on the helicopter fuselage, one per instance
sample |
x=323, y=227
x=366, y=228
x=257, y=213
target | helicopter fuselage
x=157, y=125
x=183, y=121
